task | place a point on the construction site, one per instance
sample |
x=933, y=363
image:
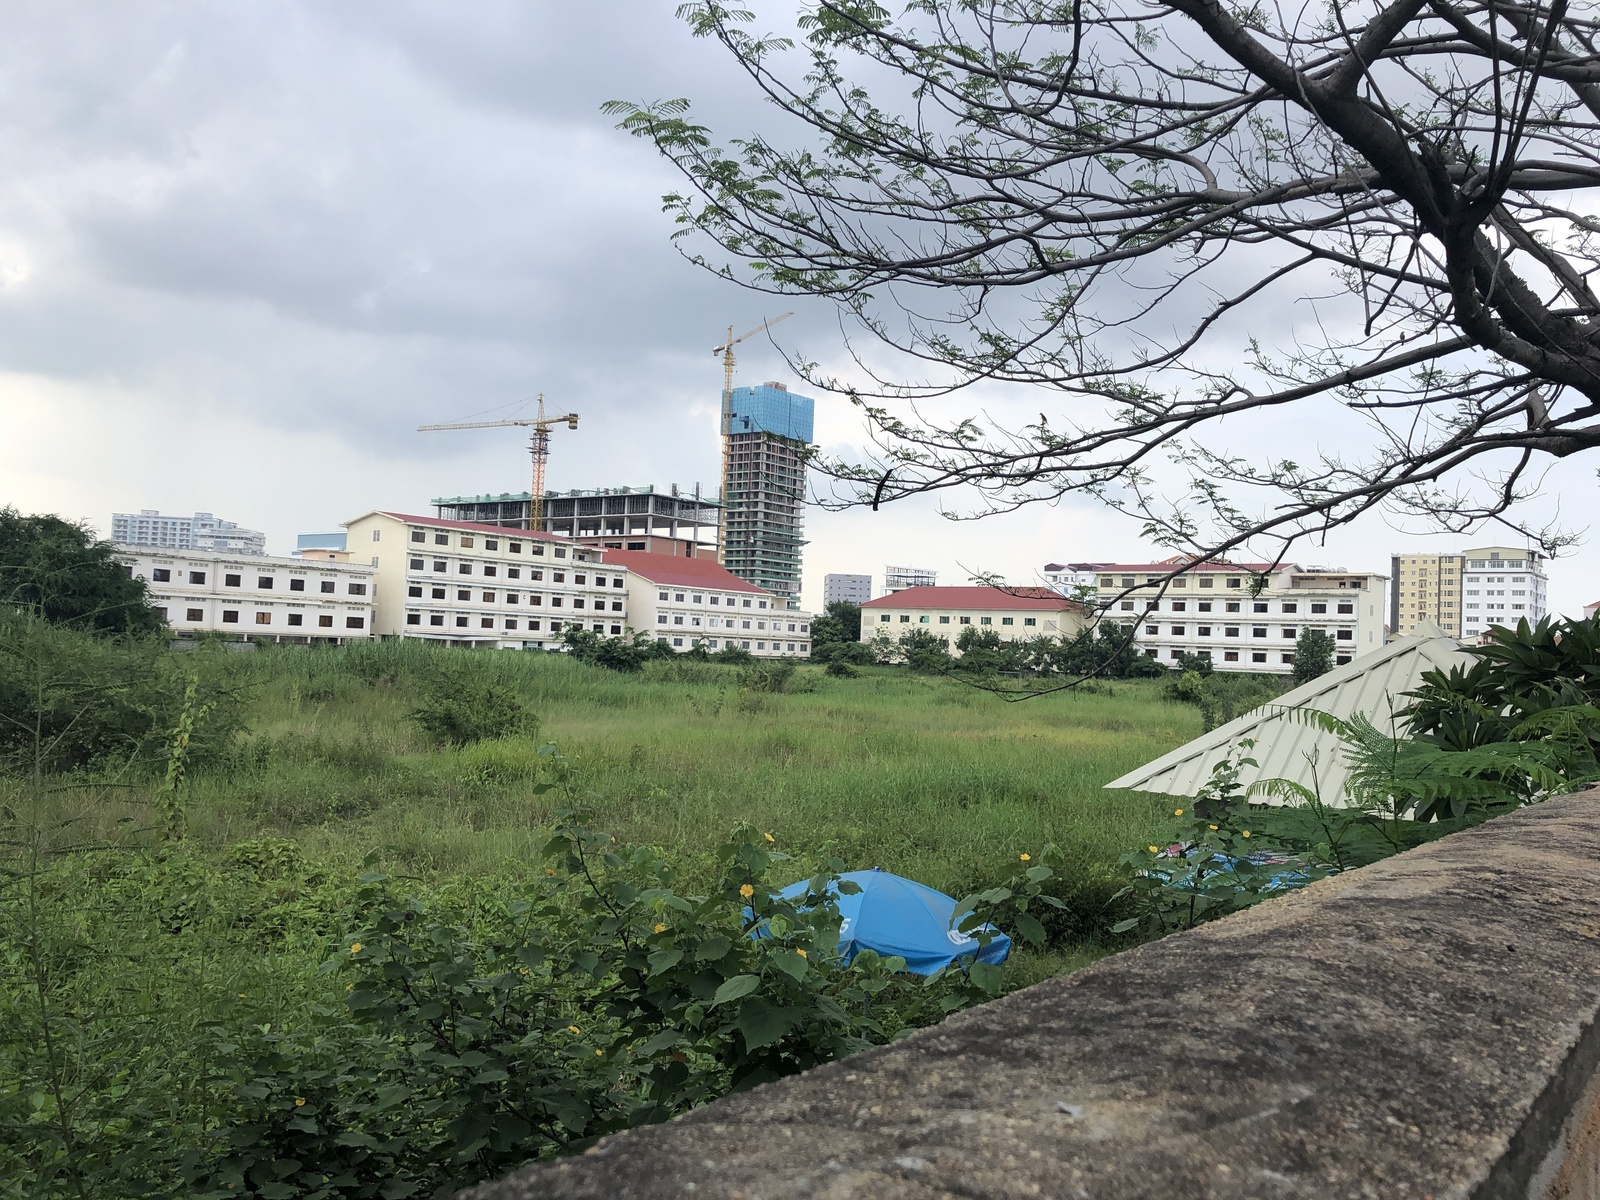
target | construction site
x=752, y=525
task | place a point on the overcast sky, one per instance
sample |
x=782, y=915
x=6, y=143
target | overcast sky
x=246, y=248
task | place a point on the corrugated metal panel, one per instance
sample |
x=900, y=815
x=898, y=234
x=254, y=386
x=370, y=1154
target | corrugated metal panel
x=1286, y=749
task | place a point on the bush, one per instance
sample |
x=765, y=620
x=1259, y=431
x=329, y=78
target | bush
x=61, y=572
x=460, y=707
x=772, y=675
x=840, y=669
x=736, y=655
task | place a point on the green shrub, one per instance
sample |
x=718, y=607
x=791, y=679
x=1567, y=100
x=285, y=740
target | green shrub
x=459, y=707
x=772, y=675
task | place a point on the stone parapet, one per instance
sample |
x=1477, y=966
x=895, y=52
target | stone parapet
x=1424, y=1027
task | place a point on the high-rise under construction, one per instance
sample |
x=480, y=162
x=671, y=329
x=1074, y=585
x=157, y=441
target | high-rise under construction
x=768, y=434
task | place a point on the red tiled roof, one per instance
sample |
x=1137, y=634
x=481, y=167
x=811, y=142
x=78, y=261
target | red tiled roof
x=675, y=571
x=1031, y=598
x=441, y=523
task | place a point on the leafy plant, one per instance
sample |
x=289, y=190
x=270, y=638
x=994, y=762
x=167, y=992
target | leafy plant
x=1313, y=655
x=459, y=707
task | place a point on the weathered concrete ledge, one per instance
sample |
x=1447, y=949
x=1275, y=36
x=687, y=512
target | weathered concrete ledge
x=1421, y=1028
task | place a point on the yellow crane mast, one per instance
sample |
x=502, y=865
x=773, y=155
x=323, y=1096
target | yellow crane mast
x=726, y=350
x=538, y=447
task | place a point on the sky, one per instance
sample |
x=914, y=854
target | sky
x=246, y=248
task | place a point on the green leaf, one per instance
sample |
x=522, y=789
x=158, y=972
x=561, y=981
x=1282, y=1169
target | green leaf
x=736, y=988
x=1029, y=927
x=712, y=948
x=664, y=960
x=987, y=976
x=791, y=964
x=761, y=1024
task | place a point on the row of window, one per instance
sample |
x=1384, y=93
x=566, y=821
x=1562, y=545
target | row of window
x=728, y=622
x=535, y=599
x=230, y=616
x=1317, y=608
x=532, y=624
x=790, y=647
x=1260, y=631
x=1256, y=656
x=264, y=583
x=905, y=619
x=440, y=566
x=700, y=598
x=469, y=541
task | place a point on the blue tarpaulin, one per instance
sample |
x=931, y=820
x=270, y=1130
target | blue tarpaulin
x=902, y=917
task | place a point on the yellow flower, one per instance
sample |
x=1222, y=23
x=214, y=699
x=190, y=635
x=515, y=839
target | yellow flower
x=524, y=971
x=801, y=953
x=574, y=1029
x=355, y=947
x=1154, y=849
x=549, y=870
x=1025, y=857
x=1210, y=826
x=599, y=1053
x=1177, y=812
x=299, y=1101
x=747, y=891
x=1245, y=833
x=242, y=996
x=661, y=928
x=769, y=837
x=349, y=987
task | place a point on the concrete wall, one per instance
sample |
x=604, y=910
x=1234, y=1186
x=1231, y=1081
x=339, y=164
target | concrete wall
x=1421, y=1028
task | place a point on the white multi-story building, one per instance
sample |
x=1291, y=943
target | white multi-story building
x=489, y=586
x=849, y=589
x=248, y=596
x=685, y=601
x=1074, y=580
x=1013, y=613
x=1243, y=616
x=203, y=531
x=898, y=579
x=1500, y=586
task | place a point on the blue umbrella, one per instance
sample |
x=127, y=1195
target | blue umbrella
x=897, y=916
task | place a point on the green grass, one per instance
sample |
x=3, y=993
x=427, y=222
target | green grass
x=927, y=777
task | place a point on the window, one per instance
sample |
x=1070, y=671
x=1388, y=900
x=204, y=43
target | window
x=1288, y=658
x=1345, y=635
x=1007, y=620
x=490, y=569
x=414, y=592
x=490, y=544
x=441, y=539
x=1230, y=656
x=161, y=575
x=747, y=604
x=513, y=572
x=263, y=618
x=297, y=585
x=1258, y=606
x=488, y=597
x=561, y=552
x=230, y=616
x=539, y=550
x=1231, y=606
x=438, y=593
x=535, y=599
x=615, y=629
x=580, y=579
x=461, y=622
x=985, y=620
x=325, y=620
x=515, y=547
x=883, y=618
x=358, y=589
x=436, y=619
x=467, y=542
x=295, y=618
x=1178, y=630
x=1176, y=653
x=377, y=535
x=699, y=597
x=197, y=576
x=418, y=536
x=661, y=618
x=486, y=623
x=1258, y=631
x=1180, y=582
x=1029, y=621
x=440, y=566
x=944, y=620
x=231, y=581
x=905, y=618
x=1318, y=607
x=194, y=614
x=1203, y=631
x=1289, y=607
x=1258, y=656
x=1127, y=606
x=677, y=597
x=463, y=594
x=1180, y=606
x=1152, y=630
x=413, y=618
x=464, y=569
x=1206, y=581
x=512, y=597
x=1235, y=581
x=1127, y=581
x=327, y=585
x=922, y=620
x=1346, y=608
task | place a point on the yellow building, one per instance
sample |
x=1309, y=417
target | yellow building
x=1425, y=587
x=1466, y=594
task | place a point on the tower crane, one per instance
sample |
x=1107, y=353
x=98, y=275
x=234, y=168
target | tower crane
x=538, y=447
x=726, y=350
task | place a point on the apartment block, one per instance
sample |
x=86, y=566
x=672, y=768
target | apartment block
x=1074, y=579
x=690, y=601
x=847, y=589
x=249, y=596
x=203, y=531
x=1466, y=594
x=767, y=440
x=669, y=521
x=1013, y=613
x=1242, y=616
x=493, y=587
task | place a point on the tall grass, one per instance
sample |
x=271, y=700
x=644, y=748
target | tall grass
x=925, y=776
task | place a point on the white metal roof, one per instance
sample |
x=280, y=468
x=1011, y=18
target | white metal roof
x=1372, y=684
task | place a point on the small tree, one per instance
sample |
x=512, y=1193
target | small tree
x=924, y=651
x=1313, y=655
x=66, y=575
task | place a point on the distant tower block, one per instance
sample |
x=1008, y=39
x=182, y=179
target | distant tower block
x=898, y=579
x=850, y=589
x=763, y=489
